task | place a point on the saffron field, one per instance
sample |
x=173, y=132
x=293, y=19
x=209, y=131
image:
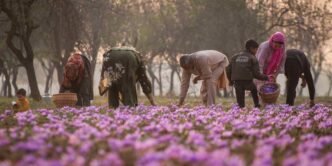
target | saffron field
x=168, y=135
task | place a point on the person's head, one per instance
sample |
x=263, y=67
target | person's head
x=185, y=61
x=251, y=46
x=21, y=93
x=277, y=40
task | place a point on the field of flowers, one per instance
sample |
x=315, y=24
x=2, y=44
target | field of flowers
x=168, y=135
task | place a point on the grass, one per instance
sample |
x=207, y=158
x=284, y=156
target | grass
x=5, y=103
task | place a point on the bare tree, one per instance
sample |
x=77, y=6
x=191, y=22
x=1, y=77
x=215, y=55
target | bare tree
x=21, y=28
x=48, y=68
x=313, y=30
x=6, y=89
x=9, y=67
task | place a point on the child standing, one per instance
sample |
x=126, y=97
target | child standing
x=242, y=70
x=22, y=103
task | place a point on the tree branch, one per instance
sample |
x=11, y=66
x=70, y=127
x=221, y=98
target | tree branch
x=11, y=45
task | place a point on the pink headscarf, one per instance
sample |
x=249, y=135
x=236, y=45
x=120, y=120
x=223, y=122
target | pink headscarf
x=277, y=53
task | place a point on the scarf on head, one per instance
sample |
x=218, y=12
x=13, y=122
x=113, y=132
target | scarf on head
x=277, y=53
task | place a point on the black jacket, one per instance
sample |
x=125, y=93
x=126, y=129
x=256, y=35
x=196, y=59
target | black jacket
x=244, y=66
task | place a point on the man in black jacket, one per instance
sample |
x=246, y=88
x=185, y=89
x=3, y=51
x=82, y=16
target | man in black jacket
x=297, y=66
x=242, y=70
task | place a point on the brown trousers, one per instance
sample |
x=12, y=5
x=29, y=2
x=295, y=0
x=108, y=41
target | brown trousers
x=209, y=86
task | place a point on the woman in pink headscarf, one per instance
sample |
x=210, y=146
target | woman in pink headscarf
x=271, y=57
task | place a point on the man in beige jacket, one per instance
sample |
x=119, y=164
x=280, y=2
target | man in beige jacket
x=206, y=65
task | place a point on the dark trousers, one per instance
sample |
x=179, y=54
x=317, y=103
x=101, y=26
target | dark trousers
x=84, y=93
x=125, y=91
x=241, y=87
x=83, y=100
x=291, y=89
x=293, y=73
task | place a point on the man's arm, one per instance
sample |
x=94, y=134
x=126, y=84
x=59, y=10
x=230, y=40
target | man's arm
x=145, y=82
x=229, y=71
x=308, y=78
x=255, y=68
x=103, y=68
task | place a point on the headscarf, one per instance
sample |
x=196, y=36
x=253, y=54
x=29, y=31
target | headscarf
x=277, y=53
x=73, y=71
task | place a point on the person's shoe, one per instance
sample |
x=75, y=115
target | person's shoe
x=258, y=106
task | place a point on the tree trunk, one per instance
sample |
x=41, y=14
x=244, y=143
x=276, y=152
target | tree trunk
x=95, y=42
x=57, y=46
x=160, y=79
x=152, y=84
x=153, y=78
x=171, y=83
x=14, y=79
x=7, y=88
x=329, y=91
x=330, y=85
x=2, y=88
x=138, y=89
x=95, y=49
x=59, y=70
x=94, y=55
x=49, y=79
x=22, y=32
x=35, y=94
x=317, y=69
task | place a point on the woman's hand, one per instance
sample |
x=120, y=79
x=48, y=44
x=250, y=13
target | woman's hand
x=272, y=78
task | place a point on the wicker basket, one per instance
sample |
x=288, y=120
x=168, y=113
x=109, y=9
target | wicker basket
x=271, y=97
x=64, y=99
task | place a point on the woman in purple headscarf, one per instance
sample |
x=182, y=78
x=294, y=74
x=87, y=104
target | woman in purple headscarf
x=271, y=57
